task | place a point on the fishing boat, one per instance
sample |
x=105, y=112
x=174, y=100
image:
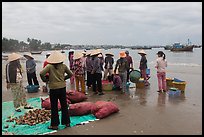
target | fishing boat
x=168, y=47
x=36, y=52
x=180, y=47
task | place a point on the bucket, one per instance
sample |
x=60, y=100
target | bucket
x=180, y=85
x=32, y=88
x=147, y=71
x=106, y=85
x=140, y=83
x=169, y=82
x=135, y=76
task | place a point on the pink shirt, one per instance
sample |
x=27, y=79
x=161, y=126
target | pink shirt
x=161, y=64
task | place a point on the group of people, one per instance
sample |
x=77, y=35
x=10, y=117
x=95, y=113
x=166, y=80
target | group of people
x=86, y=64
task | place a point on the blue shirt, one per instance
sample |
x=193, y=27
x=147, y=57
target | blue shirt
x=30, y=66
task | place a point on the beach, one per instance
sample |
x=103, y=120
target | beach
x=146, y=112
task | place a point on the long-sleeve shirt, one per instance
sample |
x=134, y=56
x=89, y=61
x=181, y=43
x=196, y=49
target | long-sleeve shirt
x=109, y=62
x=161, y=64
x=79, y=68
x=143, y=63
x=89, y=64
x=96, y=65
x=122, y=65
x=11, y=71
x=30, y=66
x=56, y=76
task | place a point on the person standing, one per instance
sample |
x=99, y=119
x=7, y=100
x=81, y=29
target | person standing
x=130, y=64
x=31, y=70
x=96, y=73
x=161, y=64
x=79, y=72
x=71, y=64
x=122, y=66
x=89, y=67
x=109, y=61
x=14, y=82
x=46, y=89
x=57, y=85
x=143, y=66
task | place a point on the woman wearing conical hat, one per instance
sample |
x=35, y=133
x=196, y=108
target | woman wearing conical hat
x=57, y=86
x=31, y=70
x=79, y=71
x=108, y=66
x=14, y=81
x=96, y=73
x=143, y=66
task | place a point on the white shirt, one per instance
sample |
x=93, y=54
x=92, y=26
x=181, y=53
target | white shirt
x=161, y=64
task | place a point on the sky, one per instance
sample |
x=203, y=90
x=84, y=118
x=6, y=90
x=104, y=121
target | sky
x=101, y=23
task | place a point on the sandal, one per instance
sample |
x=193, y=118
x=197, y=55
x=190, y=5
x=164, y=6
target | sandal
x=53, y=127
x=18, y=110
x=28, y=107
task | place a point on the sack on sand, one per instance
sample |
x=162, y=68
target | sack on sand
x=82, y=108
x=105, y=109
x=75, y=96
x=45, y=103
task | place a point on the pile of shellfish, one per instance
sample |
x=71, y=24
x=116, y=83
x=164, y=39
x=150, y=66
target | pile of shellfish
x=32, y=117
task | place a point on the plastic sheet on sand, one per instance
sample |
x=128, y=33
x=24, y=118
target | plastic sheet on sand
x=8, y=110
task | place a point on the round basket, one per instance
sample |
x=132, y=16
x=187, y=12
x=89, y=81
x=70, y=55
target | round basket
x=135, y=76
x=107, y=86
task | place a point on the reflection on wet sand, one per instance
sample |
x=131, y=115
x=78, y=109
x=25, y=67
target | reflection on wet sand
x=177, y=99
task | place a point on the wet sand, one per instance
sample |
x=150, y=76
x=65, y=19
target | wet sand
x=146, y=113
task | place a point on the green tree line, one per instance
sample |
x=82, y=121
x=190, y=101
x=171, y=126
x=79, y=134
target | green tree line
x=13, y=45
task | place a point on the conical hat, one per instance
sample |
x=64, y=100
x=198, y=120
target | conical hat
x=100, y=55
x=28, y=55
x=56, y=57
x=141, y=52
x=95, y=52
x=77, y=55
x=109, y=54
x=14, y=56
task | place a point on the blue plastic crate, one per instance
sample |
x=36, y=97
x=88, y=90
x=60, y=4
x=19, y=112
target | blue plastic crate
x=178, y=80
x=174, y=93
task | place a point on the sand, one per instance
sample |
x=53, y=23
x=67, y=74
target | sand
x=146, y=113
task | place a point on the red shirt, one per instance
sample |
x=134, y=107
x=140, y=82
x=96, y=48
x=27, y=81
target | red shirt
x=44, y=64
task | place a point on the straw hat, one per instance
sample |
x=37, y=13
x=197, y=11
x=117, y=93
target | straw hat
x=122, y=54
x=84, y=52
x=56, y=57
x=88, y=53
x=100, y=55
x=116, y=71
x=14, y=56
x=95, y=52
x=109, y=54
x=77, y=55
x=141, y=52
x=28, y=55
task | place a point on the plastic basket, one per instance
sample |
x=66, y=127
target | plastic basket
x=140, y=83
x=148, y=71
x=169, y=82
x=107, y=86
x=180, y=85
x=174, y=93
x=32, y=88
x=135, y=75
